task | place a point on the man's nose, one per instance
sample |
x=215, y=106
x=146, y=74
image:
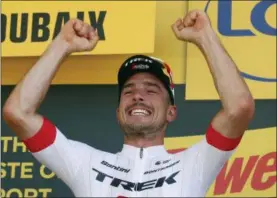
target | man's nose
x=138, y=97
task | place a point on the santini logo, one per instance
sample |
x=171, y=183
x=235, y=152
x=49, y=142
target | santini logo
x=140, y=66
x=115, y=167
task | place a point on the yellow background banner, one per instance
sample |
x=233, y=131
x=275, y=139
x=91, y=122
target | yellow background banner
x=250, y=41
x=122, y=27
x=102, y=69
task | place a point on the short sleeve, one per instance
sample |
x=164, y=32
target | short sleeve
x=208, y=158
x=62, y=156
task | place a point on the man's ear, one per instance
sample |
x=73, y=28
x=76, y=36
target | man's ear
x=171, y=113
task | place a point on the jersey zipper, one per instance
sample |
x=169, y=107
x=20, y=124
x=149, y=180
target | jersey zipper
x=140, y=168
x=141, y=153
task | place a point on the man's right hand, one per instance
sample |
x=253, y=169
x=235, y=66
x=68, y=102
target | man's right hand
x=79, y=36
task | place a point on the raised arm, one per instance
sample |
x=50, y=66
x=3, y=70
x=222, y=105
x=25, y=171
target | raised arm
x=20, y=109
x=237, y=102
x=227, y=127
x=42, y=138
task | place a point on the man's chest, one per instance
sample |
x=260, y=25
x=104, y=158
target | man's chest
x=115, y=177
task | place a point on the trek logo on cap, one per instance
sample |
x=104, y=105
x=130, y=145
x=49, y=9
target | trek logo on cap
x=146, y=60
x=140, y=66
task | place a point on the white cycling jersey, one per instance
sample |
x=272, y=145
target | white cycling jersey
x=132, y=172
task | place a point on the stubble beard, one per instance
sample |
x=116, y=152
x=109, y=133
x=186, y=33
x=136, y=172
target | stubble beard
x=149, y=132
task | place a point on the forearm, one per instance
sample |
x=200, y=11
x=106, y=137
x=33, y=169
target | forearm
x=230, y=86
x=31, y=90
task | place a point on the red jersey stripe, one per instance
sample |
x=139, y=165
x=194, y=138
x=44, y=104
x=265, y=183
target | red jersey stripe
x=43, y=138
x=221, y=142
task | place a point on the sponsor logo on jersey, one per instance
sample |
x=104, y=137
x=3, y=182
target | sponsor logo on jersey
x=139, y=186
x=160, y=169
x=118, y=168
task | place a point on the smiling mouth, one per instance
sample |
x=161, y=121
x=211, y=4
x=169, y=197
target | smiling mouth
x=139, y=112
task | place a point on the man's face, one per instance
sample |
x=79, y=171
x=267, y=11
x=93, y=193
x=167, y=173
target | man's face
x=144, y=107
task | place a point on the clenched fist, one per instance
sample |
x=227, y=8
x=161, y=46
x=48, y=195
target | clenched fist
x=79, y=36
x=193, y=27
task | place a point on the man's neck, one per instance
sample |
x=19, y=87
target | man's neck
x=143, y=142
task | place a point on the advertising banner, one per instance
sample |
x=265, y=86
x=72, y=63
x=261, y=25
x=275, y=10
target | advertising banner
x=102, y=68
x=27, y=27
x=247, y=29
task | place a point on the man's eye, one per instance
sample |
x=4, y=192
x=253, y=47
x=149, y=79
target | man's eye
x=151, y=91
x=127, y=92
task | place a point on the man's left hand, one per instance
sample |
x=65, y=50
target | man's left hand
x=194, y=27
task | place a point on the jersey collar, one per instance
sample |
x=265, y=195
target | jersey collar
x=149, y=152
